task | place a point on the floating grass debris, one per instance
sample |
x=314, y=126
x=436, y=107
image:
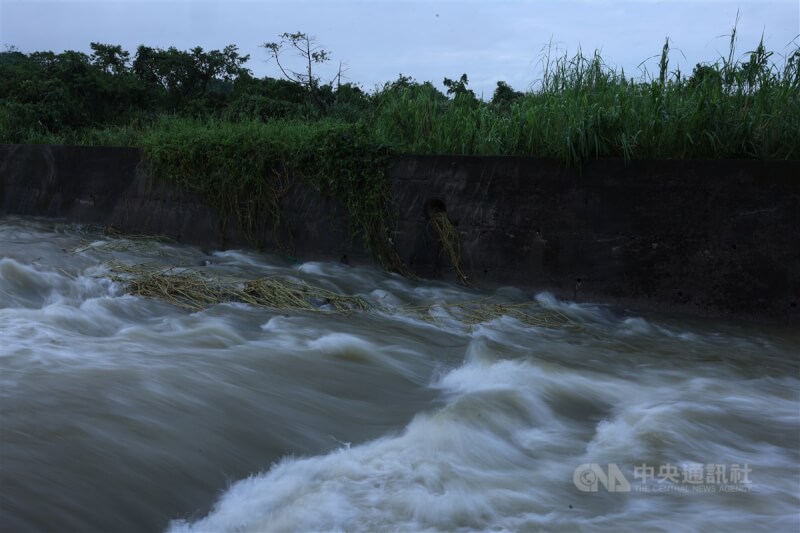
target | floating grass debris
x=474, y=312
x=121, y=242
x=196, y=289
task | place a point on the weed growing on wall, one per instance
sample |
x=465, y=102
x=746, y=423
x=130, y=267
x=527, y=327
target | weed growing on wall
x=241, y=169
x=348, y=165
x=244, y=169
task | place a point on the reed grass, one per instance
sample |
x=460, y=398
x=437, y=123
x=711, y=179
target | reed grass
x=738, y=107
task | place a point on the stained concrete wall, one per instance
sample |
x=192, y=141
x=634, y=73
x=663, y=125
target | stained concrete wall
x=113, y=187
x=714, y=238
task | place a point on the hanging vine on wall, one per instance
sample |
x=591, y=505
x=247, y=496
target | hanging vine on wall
x=451, y=243
x=348, y=166
x=244, y=170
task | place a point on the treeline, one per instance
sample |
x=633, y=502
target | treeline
x=46, y=95
x=738, y=106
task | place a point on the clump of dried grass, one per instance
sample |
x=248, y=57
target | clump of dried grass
x=195, y=290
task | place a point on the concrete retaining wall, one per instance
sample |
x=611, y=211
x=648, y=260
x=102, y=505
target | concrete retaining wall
x=714, y=238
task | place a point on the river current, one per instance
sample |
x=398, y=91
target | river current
x=123, y=413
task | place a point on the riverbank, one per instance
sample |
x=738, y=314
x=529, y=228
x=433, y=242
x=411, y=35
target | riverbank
x=713, y=238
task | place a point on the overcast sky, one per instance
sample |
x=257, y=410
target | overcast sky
x=428, y=40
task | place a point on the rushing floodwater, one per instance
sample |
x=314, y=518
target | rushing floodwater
x=126, y=414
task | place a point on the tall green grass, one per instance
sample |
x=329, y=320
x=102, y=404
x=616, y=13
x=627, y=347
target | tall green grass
x=747, y=108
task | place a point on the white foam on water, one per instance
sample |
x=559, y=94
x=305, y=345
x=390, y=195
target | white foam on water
x=240, y=257
x=497, y=456
x=446, y=470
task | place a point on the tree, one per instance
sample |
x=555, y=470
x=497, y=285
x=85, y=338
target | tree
x=171, y=73
x=458, y=87
x=109, y=58
x=461, y=95
x=706, y=76
x=308, y=49
x=504, y=95
x=198, y=77
x=224, y=65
